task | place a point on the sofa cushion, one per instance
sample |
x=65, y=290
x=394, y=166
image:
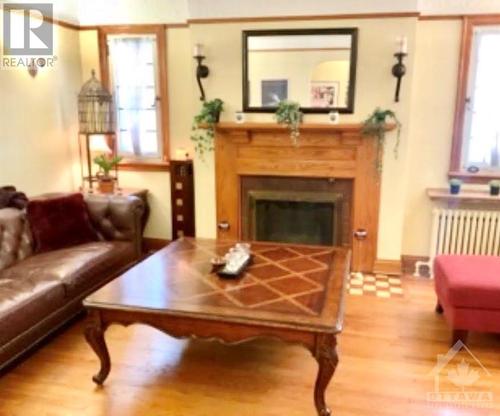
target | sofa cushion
x=60, y=222
x=468, y=281
x=24, y=302
x=78, y=268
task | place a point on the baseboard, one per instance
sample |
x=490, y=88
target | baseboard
x=408, y=264
x=392, y=267
x=153, y=244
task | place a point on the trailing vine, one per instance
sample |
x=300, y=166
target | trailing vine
x=376, y=125
x=288, y=113
x=203, y=128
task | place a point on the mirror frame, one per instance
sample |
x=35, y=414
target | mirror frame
x=349, y=109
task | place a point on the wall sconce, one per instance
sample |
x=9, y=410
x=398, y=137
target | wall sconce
x=34, y=64
x=32, y=68
x=201, y=70
x=399, y=69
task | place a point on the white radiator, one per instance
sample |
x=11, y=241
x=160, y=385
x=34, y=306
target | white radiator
x=459, y=231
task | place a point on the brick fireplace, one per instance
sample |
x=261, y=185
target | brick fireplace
x=323, y=191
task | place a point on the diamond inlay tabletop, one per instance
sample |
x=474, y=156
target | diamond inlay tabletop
x=288, y=284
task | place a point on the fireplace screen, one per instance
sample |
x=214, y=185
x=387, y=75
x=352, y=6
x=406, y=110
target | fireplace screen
x=294, y=217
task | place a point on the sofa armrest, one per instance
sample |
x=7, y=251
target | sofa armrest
x=117, y=217
x=15, y=237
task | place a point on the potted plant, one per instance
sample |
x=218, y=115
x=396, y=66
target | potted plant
x=288, y=113
x=495, y=187
x=455, y=186
x=376, y=125
x=203, y=129
x=105, y=180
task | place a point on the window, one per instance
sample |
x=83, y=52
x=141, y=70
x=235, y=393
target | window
x=132, y=68
x=476, y=141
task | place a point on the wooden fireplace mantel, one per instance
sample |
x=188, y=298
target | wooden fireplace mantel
x=324, y=150
x=304, y=127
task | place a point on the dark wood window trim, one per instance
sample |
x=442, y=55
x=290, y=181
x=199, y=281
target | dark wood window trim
x=161, y=43
x=456, y=171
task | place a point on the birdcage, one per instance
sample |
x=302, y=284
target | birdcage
x=95, y=108
x=96, y=118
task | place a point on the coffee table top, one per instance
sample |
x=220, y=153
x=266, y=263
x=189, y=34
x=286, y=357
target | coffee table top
x=286, y=285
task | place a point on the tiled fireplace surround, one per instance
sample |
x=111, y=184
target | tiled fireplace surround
x=329, y=159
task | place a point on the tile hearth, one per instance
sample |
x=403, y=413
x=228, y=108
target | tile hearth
x=379, y=285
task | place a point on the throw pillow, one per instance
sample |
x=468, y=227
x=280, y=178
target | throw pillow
x=60, y=222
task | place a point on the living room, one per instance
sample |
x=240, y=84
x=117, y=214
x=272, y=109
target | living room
x=310, y=172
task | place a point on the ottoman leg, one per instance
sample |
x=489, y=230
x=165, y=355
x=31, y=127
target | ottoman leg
x=439, y=308
x=459, y=335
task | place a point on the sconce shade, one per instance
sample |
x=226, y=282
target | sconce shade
x=95, y=108
x=98, y=144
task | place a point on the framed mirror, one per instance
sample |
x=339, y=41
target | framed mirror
x=314, y=67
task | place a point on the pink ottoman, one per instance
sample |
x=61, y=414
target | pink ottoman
x=468, y=292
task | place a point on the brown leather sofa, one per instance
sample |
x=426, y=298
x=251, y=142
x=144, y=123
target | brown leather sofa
x=39, y=293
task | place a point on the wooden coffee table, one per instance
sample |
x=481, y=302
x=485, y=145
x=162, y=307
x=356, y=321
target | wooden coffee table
x=291, y=292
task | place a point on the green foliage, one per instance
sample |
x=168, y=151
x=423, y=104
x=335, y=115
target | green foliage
x=288, y=113
x=376, y=125
x=107, y=163
x=203, y=129
x=455, y=182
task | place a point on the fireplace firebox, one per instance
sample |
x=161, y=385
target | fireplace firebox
x=296, y=210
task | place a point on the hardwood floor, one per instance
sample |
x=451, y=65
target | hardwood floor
x=387, y=350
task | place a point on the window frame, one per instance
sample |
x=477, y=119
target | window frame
x=161, y=45
x=456, y=170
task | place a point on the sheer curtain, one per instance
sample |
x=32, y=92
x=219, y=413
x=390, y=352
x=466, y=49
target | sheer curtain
x=482, y=129
x=133, y=73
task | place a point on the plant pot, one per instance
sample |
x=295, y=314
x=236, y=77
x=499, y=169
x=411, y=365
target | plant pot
x=106, y=186
x=494, y=190
x=454, y=189
x=217, y=116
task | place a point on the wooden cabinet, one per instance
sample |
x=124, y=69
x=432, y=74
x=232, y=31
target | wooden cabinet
x=182, y=195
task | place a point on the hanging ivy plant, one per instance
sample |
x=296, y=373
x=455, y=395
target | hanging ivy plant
x=203, y=129
x=288, y=113
x=376, y=125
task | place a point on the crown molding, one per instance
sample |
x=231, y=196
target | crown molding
x=227, y=20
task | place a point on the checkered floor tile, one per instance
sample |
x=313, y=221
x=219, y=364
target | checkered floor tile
x=379, y=285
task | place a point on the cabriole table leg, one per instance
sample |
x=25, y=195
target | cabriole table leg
x=94, y=334
x=326, y=355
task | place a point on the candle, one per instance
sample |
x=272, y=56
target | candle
x=198, y=50
x=181, y=153
x=403, y=44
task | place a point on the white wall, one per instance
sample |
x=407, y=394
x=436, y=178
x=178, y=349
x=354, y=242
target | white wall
x=458, y=6
x=66, y=10
x=105, y=12
x=38, y=119
x=433, y=108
